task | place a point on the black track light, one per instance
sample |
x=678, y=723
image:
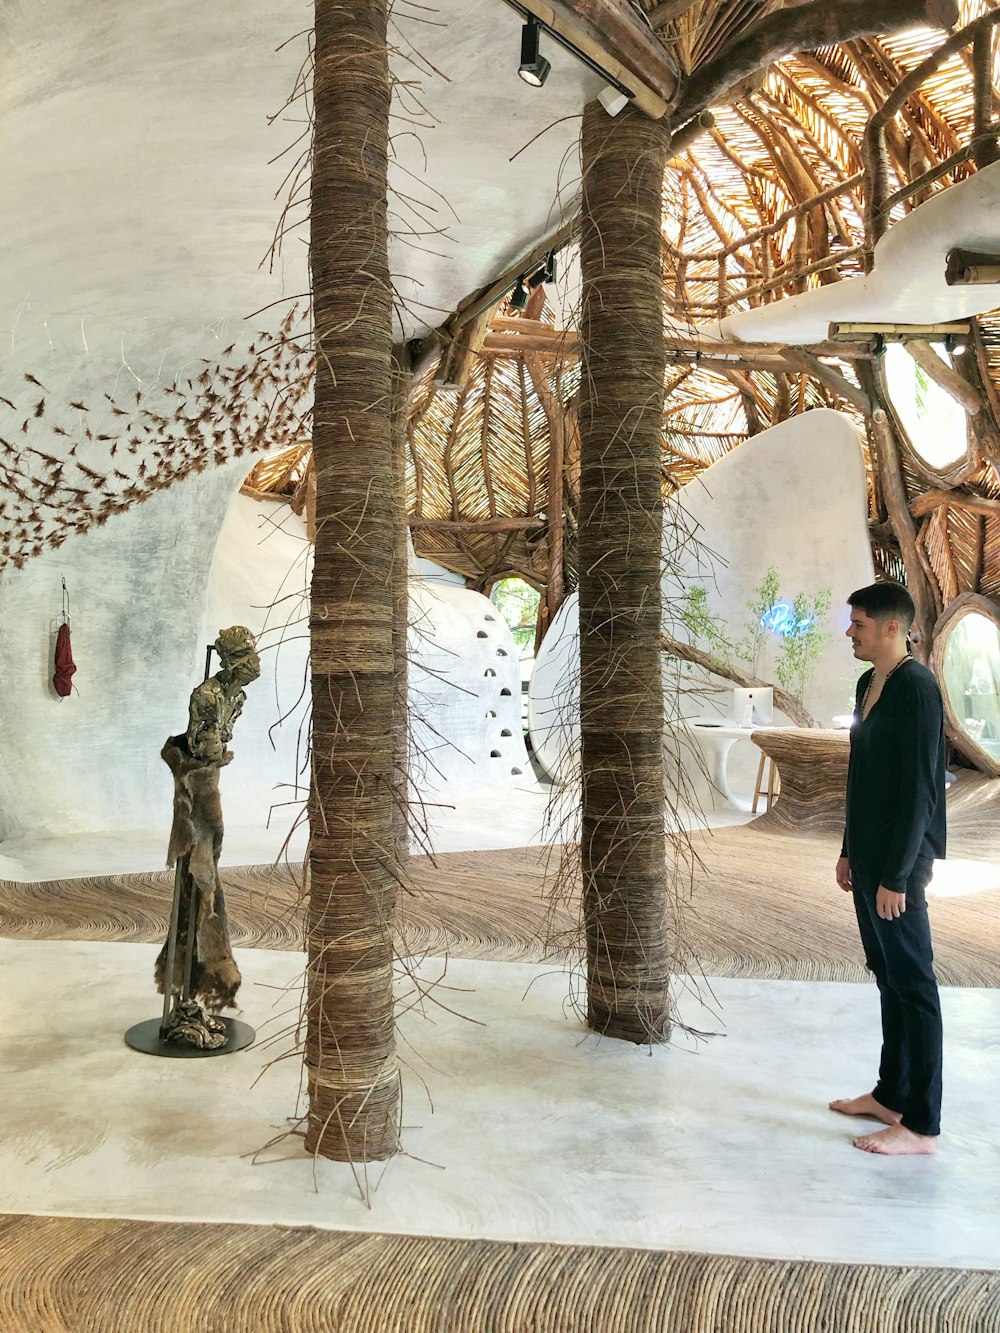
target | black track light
x=519, y=296
x=534, y=68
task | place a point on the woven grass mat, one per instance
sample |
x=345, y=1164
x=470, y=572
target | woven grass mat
x=82, y=1275
x=762, y=905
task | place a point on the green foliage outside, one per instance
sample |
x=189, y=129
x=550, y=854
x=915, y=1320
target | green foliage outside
x=923, y=385
x=517, y=602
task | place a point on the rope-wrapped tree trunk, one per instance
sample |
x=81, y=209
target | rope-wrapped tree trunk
x=621, y=519
x=402, y=384
x=353, y=1077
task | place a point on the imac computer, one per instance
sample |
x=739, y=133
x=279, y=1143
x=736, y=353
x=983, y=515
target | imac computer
x=753, y=707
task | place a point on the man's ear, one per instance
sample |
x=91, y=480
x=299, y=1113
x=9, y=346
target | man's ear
x=892, y=629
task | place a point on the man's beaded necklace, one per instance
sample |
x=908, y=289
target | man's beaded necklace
x=868, y=691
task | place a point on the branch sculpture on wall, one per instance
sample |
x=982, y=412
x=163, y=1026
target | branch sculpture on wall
x=197, y=956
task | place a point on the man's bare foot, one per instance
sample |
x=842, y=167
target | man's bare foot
x=897, y=1141
x=866, y=1106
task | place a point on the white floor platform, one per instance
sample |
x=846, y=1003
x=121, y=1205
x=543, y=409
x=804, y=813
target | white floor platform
x=537, y=1130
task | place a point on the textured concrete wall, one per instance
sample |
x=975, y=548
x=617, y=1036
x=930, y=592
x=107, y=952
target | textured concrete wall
x=137, y=590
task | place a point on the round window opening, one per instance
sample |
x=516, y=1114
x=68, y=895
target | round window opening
x=971, y=671
x=935, y=423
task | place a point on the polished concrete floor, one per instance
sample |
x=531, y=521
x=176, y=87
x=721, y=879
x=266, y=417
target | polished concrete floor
x=456, y=821
x=517, y=1123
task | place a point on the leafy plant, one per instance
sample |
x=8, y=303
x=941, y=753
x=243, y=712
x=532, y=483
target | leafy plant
x=752, y=647
x=803, y=640
x=799, y=629
x=702, y=623
x=921, y=389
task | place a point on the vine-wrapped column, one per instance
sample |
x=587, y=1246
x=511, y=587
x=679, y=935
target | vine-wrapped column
x=353, y=1078
x=621, y=519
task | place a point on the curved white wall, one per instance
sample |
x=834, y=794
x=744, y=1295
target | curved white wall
x=149, y=591
x=465, y=693
x=137, y=589
x=260, y=578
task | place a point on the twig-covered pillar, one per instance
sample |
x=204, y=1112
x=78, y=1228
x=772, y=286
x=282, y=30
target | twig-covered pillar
x=353, y=1077
x=620, y=535
x=402, y=385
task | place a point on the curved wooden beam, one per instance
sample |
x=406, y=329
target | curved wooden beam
x=784, y=32
x=890, y=475
x=943, y=376
x=837, y=383
x=972, y=504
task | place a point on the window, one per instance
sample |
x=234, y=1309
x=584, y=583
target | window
x=935, y=424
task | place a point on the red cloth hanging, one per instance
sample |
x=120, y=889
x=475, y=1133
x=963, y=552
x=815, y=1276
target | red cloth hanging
x=62, y=681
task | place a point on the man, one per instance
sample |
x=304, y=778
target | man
x=895, y=827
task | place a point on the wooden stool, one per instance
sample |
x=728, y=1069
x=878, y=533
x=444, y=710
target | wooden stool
x=773, y=783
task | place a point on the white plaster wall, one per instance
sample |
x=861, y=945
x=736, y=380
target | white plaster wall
x=139, y=201
x=260, y=578
x=792, y=497
x=137, y=588
x=149, y=591
x=140, y=171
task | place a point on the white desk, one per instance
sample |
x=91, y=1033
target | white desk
x=716, y=740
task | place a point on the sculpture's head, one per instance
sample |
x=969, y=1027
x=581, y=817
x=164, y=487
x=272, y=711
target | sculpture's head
x=237, y=651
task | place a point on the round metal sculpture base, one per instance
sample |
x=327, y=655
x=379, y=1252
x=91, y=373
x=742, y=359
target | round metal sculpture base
x=145, y=1037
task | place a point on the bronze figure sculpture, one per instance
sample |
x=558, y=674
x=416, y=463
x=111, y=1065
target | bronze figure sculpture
x=197, y=956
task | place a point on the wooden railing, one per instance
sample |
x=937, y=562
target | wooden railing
x=760, y=279
x=982, y=148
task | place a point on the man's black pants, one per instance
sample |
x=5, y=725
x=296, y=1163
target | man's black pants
x=899, y=953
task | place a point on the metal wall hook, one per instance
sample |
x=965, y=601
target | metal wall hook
x=65, y=619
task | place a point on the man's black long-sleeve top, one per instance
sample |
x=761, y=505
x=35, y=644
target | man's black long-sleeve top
x=895, y=781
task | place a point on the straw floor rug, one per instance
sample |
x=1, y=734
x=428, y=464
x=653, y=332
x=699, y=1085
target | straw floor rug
x=759, y=905
x=81, y=1275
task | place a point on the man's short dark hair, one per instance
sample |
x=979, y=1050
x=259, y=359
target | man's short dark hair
x=885, y=601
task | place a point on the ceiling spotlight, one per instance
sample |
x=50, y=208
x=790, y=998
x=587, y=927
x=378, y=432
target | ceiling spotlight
x=534, y=68
x=955, y=345
x=545, y=273
x=519, y=296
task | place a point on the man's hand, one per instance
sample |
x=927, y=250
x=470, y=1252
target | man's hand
x=844, y=874
x=889, y=904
